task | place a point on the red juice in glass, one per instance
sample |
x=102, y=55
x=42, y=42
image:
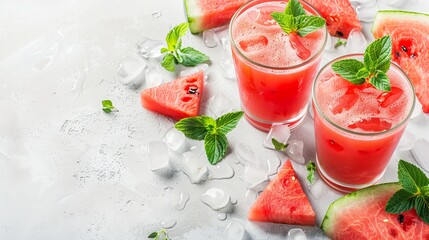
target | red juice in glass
x=358, y=127
x=273, y=81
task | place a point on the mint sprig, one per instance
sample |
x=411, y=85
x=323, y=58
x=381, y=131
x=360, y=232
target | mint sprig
x=311, y=168
x=340, y=43
x=279, y=146
x=188, y=56
x=295, y=20
x=373, y=69
x=212, y=131
x=414, y=192
x=108, y=106
x=159, y=235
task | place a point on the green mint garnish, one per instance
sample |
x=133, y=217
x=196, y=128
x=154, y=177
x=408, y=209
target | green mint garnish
x=340, y=43
x=294, y=19
x=187, y=56
x=160, y=235
x=212, y=131
x=414, y=192
x=311, y=168
x=373, y=69
x=279, y=146
x=108, y=106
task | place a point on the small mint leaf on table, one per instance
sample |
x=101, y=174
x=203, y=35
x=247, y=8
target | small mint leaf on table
x=215, y=145
x=311, y=168
x=226, y=123
x=279, y=146
x=411, y=177
x=108, y=106
x=340, y=43
x=400, y=202
x=422, y=207
x=153, y=235
x=191, y=57
x=349, y=69
x=195, y=128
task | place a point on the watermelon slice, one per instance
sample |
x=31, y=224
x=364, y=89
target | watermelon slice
x=177, y=99
x=410, y=43
x=283, y=201
x=206, y=14
x=361, y=215
x=340, y=16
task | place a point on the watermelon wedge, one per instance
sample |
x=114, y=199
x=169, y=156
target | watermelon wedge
x=178, y=99
x=340, y=16
x=206, y=14
x=283, y=201
x=361, y=215
x=410, y=42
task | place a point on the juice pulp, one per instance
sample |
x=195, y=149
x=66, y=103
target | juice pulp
x=274, y=83
x=357, y=128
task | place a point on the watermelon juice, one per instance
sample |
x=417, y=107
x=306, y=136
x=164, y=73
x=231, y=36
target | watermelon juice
x=273, y=82
x=358, y=127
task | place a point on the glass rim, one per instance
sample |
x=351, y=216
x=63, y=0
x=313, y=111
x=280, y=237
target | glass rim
x=398, y=125
x=315, y=56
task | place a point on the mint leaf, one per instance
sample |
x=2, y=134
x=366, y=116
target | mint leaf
x=279, y=146
x=377, y=55
x=215, y=145
x=380, y=81
x=363, y=73
x=168, y=62
x=226, y=123
x=191, y=57
x=294, y=8
x=422, y=207
x=425, y=190
x=400, y=202
x=340, y=43
x=181, y=29
x=153, y=235
x=286, y=22
x=411, y=177
x=308, y=24
x=311, y=168
x=108, y=106
x=195, y=127
x=349, y=69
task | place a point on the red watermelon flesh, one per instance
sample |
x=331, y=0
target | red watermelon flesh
x=410, y=44
x=361, y=215
x=340, y=16
x=283, y=201
x=207, y=14
x=178, y=99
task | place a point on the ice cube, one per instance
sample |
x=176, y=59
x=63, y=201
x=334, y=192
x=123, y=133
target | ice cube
x=235, y=230
x=295, y=151
x=255, y=43
x=255, y=178
x=209, y=38
x=191, y=70
x=273, y=165
x=366, y=12
x=420, y=153
x=222, y=34
x=154, y=76
x=217, y=200
x=159, y=160
x=356, y=43
x=131, y=71
x=149, y=48
x=407, y=141
x=245, y=155
x=227, y=65
x=168, y=223
x=386, y=99
x=318, y=189
x=296, y=234
x=196, y=171
x=176, y=140
x=280, y=132
x=219, y=105
x=221, y=171
x=181, y=202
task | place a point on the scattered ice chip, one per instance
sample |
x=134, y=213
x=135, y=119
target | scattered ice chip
x=295, y=151
x=176, y=140
x=221, y=171
x=255, y=178
x=219, y=104
x=407, y=141
x=168, y=223
x=131, y=71
x=222, y=34
x=181, y=202
x=296, y=234
x=154, y=77
x=149, y=48
x=356, y=43
x=209, y=38
x=317, y=189
x=367, y=12
x=191, y=70
x=159, y=160
x=273, y=164
x=280, y=132
x=235, y=230
x=157, y=14
x=245, y=155
x=217, y=200
x=226, y=63
x=193, y=168
x=420, y=153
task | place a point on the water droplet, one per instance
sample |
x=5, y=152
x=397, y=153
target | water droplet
x=221, y=216
x=181, y=203
x=296, y=234
x=221, y=171
x=169, y=223
x=217, y=200
x=157, y=15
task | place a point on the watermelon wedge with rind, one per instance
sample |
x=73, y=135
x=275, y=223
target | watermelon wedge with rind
x=340, y=16
x=207, y=14
x=410, y=44
x=283, y=201
x=361, y=215
x=178, y=99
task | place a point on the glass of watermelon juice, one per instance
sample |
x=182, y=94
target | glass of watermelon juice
x=273, y=81
x=357, y=127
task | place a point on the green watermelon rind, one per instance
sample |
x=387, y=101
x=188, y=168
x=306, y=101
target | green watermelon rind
x=339, y=205
x=193, y=20
x=398, y=14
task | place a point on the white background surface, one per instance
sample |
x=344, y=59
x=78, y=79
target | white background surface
x=65, y=166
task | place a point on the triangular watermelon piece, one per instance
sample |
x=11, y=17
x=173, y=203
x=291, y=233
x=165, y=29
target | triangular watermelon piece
x=283, y=201
x=178, y=99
